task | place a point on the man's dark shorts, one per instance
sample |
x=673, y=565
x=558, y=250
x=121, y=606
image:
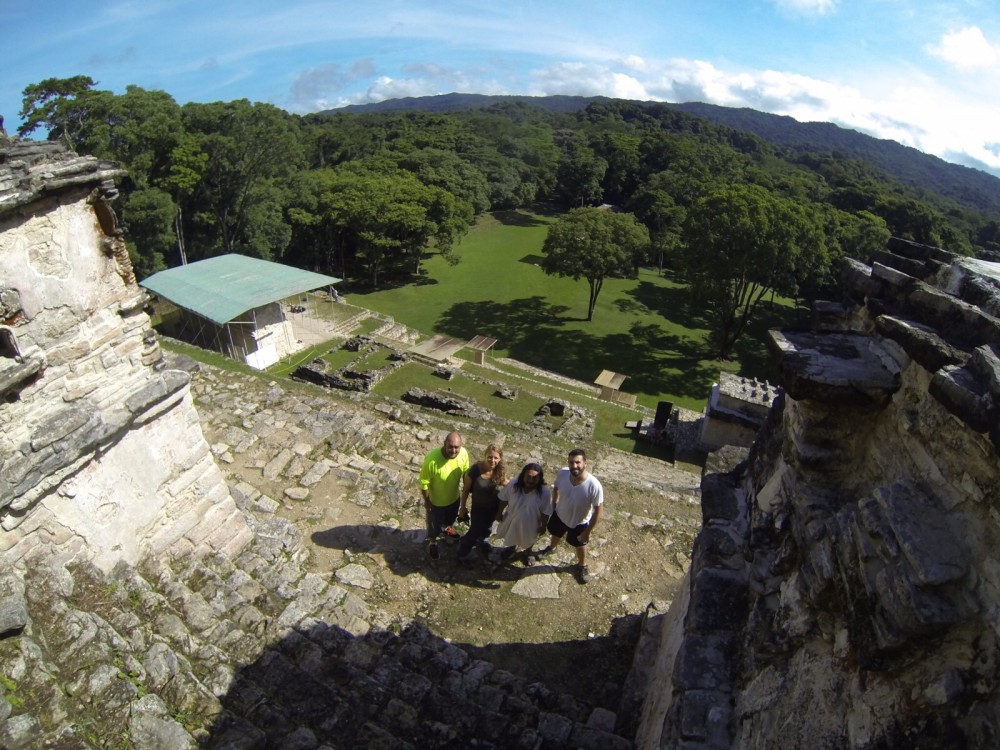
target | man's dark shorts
x=443, y=516
x=558, y=529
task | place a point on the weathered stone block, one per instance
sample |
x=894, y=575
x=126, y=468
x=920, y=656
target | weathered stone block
x=958, y=390
x=920, y=342
x=834, y=368
x=704, y=662
x=719, y=600
x=924, y=534
x=706, y=715
x=719, y=499
x=716, y=547
x=985, y=363
x=168, y=383
x=59, y=425
x=910, y=266
x=954, y=319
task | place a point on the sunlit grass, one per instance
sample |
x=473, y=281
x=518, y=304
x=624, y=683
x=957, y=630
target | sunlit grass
x=645, y=328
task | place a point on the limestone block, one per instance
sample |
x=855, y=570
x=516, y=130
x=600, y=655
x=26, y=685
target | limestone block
x=985, y=363
x=963, y=395
x=706, y=716
x=703, y=662
x=953, y=318
x=936, y=554
x=274, y=468
x=920, y=342
x=719, y=600
x=13, y=606
x=718, y=498
x=833, y=367
x=60, y=425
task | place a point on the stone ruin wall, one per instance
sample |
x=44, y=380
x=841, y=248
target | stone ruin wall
x=844, y=589
x=102, y=457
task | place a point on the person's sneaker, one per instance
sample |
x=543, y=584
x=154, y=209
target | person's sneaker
x=543, y=552
x=433, y=551
x=450, y=535
x=485, y=548
x=582, y=574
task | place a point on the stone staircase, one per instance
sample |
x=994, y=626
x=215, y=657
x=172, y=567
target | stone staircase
x=253, y=652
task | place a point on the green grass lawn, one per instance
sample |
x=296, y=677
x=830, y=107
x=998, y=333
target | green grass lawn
x=644, y=328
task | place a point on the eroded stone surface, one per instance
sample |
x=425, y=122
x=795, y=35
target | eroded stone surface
x=868, y=535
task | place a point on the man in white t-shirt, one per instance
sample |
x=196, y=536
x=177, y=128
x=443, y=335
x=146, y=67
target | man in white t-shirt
x=578, y=497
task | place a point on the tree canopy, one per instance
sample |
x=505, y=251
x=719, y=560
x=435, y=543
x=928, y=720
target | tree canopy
x=594, y=243
x=741, y=242
x=368, y=195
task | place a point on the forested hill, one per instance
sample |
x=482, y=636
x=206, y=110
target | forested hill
x=968, y=187
x=964, y=185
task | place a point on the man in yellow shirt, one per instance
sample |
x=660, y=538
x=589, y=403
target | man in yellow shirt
x=440, y=484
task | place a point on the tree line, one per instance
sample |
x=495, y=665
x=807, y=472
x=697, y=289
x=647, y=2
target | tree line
x=366, y=196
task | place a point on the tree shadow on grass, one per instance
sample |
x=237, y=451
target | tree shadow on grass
x=655, y=361
x=675, y=304
x=385, y=283
x=518, y=219
x=519, y=320
x=531, y=331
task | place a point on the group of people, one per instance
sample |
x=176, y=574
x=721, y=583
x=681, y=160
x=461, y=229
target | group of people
x=454, y=489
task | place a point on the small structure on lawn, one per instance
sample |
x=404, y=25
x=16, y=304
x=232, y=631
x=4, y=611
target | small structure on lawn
x=232, y=304
x=735, y=411
x=610, y=382
x=480, y=345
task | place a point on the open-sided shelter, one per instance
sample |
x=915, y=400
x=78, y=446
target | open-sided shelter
x=232, y=303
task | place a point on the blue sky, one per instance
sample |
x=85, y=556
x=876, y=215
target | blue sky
x=921, y=72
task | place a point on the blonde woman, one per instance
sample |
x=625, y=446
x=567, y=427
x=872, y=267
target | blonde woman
x=483, y=481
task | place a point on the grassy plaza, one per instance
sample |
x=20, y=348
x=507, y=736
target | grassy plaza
x=645, y=328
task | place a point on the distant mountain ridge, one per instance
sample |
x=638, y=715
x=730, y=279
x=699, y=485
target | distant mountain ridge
x=967, y=186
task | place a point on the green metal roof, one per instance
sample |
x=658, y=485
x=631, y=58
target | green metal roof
x=226, y=286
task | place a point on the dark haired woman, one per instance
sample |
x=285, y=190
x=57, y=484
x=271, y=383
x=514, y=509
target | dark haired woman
x=483, y=482
x=525, y=506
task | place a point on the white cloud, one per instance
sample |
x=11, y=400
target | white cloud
x=967, y=49
x=318, y=84
x=808, y=7
x=587, y=79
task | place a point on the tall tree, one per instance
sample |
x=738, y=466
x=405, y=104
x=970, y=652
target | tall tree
x=50, y=104
x=579, y=176
x=741, y=242
x=249, y=147
x=656, y=208
x=594, y=243
x=384, y=220
x=187, y=165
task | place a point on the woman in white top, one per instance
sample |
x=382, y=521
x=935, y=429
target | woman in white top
x=525, y=507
